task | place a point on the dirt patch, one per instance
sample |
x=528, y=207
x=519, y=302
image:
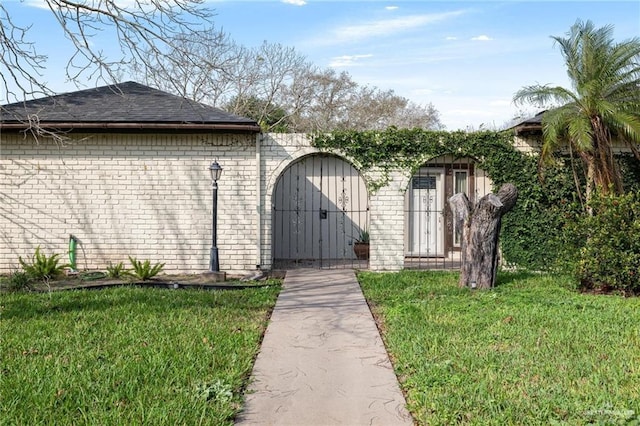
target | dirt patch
x=97, y=279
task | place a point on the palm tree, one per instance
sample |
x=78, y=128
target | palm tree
x=603, y=105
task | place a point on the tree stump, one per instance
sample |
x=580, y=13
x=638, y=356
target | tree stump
x=480, y=232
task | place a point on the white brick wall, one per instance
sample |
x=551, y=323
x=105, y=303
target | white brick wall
x=387, y=224
x=148, y=196
x=532, y=144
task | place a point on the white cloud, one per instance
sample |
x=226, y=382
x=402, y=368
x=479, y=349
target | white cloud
x=451, y=38
x=383, y=27
x=347, y=60
x=481, y=38
x=295, y=2
x=391, y=7
x=36, y=3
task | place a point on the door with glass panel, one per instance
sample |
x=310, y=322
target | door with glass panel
x=426, y=235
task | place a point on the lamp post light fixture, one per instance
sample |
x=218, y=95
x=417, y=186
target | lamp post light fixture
x=216, y=171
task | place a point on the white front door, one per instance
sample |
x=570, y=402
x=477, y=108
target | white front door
x=426, y=234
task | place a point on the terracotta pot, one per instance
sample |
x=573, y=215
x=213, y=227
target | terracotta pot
x=361, y=250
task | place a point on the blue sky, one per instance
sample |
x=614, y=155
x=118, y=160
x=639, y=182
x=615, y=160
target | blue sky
x=467, y=58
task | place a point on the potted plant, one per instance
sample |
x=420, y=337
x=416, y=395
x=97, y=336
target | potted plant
x=361, y=245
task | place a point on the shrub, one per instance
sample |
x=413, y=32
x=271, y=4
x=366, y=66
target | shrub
x=18, y=281
x=116, y=271
x=606, y=244
x=41, y=267
x=144, y=270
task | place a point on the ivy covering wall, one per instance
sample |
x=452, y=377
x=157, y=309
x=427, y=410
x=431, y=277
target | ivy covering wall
x=530, y=232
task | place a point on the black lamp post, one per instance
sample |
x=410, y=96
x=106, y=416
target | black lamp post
x=216, y=171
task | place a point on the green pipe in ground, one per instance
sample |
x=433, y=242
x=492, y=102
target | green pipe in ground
x=73, y=246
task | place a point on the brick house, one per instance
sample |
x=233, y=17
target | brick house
x=124, y=169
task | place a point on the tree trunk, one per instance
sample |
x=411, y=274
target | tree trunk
x=480, y=231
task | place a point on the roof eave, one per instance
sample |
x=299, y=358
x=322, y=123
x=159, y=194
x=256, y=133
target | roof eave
x=244, y=127
x=524, y=129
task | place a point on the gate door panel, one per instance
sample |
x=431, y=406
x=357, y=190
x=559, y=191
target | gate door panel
x=320, y=206
x=426, y=215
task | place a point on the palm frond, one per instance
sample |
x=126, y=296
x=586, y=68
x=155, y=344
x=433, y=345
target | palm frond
x=543, y=95
x=626, y=125
x=553, y=131
x=604, y=100
x=580, y=134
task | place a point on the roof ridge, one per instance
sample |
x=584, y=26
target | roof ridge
x=117, y=104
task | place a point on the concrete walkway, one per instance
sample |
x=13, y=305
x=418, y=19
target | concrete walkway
x=322, y=361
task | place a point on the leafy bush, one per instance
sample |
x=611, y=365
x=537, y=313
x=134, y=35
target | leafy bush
x=41, y=267
x=605, y=246
x=144, y=270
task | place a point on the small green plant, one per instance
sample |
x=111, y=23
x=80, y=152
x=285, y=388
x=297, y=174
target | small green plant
x=363, y=237
x=361, y=245
x=116, y=271
x=17, y=281
x=41, y=267
x=144, y=270
x=217, y=391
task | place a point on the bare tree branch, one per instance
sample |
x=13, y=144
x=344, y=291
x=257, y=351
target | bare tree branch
x=137, y=28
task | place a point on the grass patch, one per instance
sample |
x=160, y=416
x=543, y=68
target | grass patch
x=128, y=355
x=530, y=351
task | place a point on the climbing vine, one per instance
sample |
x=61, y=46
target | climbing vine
x=408, y=149
x=530, y=231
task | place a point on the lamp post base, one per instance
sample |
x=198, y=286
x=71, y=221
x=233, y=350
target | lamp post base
x=214, y=264
x=214, y=267
x=216, y=276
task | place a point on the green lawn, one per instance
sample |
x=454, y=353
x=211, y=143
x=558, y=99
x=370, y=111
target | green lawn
x=128, y=355
x=528, y=352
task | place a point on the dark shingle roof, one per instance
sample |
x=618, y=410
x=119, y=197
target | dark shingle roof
x=125, y=105
x=529, y=125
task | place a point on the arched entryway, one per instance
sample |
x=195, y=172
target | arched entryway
x=320, y=207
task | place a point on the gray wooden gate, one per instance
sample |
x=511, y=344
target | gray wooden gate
x=320, y=207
